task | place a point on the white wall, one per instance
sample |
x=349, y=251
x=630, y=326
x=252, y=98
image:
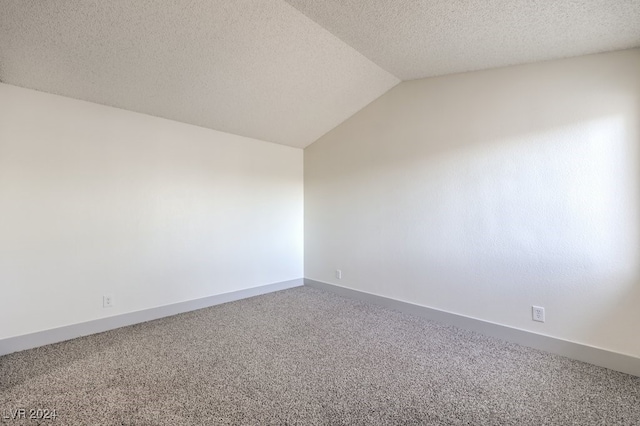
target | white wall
x=97, y=200
x=485, y=193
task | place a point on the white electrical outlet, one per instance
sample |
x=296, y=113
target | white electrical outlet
x=339, y=274
x=537, y=313
x=107, y=301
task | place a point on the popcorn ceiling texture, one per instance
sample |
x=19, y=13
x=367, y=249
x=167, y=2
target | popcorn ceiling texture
x=256, y=68
x=284, y=71
x=414, y=39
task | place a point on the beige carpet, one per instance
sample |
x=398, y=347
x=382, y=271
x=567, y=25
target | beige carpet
x=304, y=356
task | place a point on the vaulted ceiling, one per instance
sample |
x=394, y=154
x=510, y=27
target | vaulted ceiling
x=284, y=71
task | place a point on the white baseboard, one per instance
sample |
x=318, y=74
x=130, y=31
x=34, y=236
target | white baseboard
x=55, y=335
x=597, y=356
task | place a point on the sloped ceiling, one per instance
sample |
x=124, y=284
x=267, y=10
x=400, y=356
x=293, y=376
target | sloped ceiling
x=256, y=68
x=284, y=71
x=423, y=38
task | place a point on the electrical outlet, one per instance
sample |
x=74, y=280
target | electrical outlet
x=339, y=274
x=537, y=313
x=107, y=301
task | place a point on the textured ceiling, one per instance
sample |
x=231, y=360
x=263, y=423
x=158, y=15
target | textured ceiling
x=422, y=38
x=256, y=68
x=284, y=71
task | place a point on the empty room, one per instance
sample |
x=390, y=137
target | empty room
x=379, y=212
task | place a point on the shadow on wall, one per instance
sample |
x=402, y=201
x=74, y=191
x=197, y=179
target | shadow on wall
x=554, y=214
x=484, y=193
x=553, y=211
x=622, y=309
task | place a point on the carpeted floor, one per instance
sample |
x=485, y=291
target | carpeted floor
x=304, y=356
